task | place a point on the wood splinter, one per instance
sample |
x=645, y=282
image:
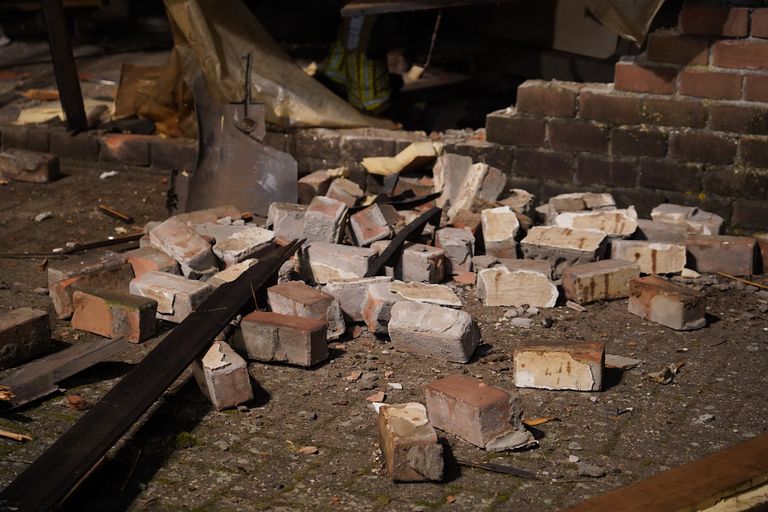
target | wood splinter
x=16, y=437
x=115, y=214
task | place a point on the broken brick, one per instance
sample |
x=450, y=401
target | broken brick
x=345, y=191
x=29, y=166
x=324, y=262
x=459, y=247
x=578, y=366
x=373, y=223
x=296, y=298
x=287, y=220
x=25, y=334
x=351, y=293
x=223, y=377
x=652, y=257
x=409, y=443
x=114, y=314
x=324, y=220
x=422, y=263
x=149, y=259
x=313, y=185
x=183, y=244
x=620, y=223
x=500, y=228
x=659, y=300
x=379, y=299
x=563, y=246
x=243, y=245
x=176, y=296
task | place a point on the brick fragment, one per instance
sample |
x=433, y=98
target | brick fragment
x=287, y=219
x=469, y=221
x=324, y=220
x=740, y=54
x=547, y=98
x=500, y=229
x=149, y=259
x=621, y=222
x=459, y=247
x=500, y=287
x=230, y=273
x=540, y=266
x=296, y=298
x=673, y=213
x=346, y=191
x=223, y=377
x=601, y=280
x=268, y=336
x=486, y=416
x=509, y=127
x=636, y=77
x=714, y=21
x=218, y=232
x=373, y=223
x=183, y=244
x=672, y=305
x=126, y=148
x=323, y=262
x=29, y=166
x=433, y=331
x=675, y=48
x=700, y=146
x=114, y=314
x=520, y=200
x=470, y=189
x=705, y=223
x=733, y=255
x=415, y=156
x=656, y=231
x=578, y=366
x=422, y=263
x=710, y=84
x=176, y=296
x=351, y=293
x=312, y=185
x=423, y=293
x=25, y=334
x=379, y=299
x=243, y=245
x=563, y=246
x=409, y=443
x=449, y=172
x=652, y=257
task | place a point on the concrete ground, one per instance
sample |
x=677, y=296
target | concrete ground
x=185, y=456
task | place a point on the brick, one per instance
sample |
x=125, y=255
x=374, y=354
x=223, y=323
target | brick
x=673, y=112
x=656, y=231
x=577, y=366
x=664, y=302
x=470, y=189
x=437, y=294
x=750, y=214
x=547, y=98
x=25, y=334
x=351, y=293
x=286, y=219
x=273, y=337
x=459, y=247
x=243, y=245
x=217, y=232
x=125, y=148
x=754, y=151
x=346, y=191
x=509, y=127
x=296, y=298
x=577, y=136
x=83, y=146
x=652, y=257
x=731, y=181
x=520, y=200
x=29, y=166
x=606, y=171
x=704, y=147
x=179, y=154
x=762, y=246
x=668, y=175
x=148, y=259
x=743, y=119
x=409, y=443
x=493, y=185
x=673, y=213
x=756, y=88
x=743, y=54
x=30, y=138
x=223, y=377
x=499, y=287
x=209, y=215
x=324, y=262
x=605, y=105
x=500, y=229
x=601, y=280
x=379, y=299
x=98, y=270
x=421, y=263
x=674, y=48
x=710, y=84
x=636, y=77
x=414, y=156
x=562, y=247
x=312, y=185
x=714, y=21
x=433, y=331
x=176, y=296
x=449, y=172
x=705, y=223
x=544, y=164
x=733, y=255
x=469, y=221
x=759, y=26
x=317, y=141
x=640, y=141
x=621, y=222
x=114, y=314
x=540, y=266
x=183, y=244
x=230, y=273
x=373, y=223
x=324, y=220
x=475, y=412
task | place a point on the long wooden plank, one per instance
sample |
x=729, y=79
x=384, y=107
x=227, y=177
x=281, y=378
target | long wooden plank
x=47, y=481
x=692, y=486
x=380, y=7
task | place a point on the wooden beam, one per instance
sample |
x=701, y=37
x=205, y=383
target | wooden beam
x=381, y=7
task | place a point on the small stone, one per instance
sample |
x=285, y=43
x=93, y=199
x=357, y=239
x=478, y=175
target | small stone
x=591, y=471
x=309, y=450
x=395, y=385
x=379, y=396
x=573, y=445
x=42, y=216
x=307, y=415
x=573, y=458
x=705, y=418
x=524, y=323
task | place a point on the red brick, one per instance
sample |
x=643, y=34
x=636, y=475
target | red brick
x=702, y=146
x=750, y=214
x=639, y=142
x=25, y=334
x=756, y=88
x=714, y=21
x=547, y=98
x=733, y=255
x=409, y=443
x=296, y=298
x=734, y=182
x=266, y=336
x=747, y=119
x=148, y=259
x=29, y=166
x=114, y=314
x=83, y=146
x=125, y=148
x=759, y=23
x=710, y=84
x=631, y=76
x=605, y=105
x=576, y=366
x=601, y=280
x=674, y=48
x=577, y=136
x=669, y=175
x=544, y=164
x=754, y=151
x=674, y=112
x=673, y=305
x=469, y=220
x=743, y=54
x=605, y=171
x=508, y=127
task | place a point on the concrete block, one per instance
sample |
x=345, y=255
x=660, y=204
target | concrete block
x=422, y=263
x=223, y=377
x=620, y=223
x=409, y=443
x=268, y=336
x=114, y=314
x=477, y=413
x=324, y=220
x=500, y=229
x=323, y=262
x=25, y=334
x=176, y=296
x=287, y=220
x=296, y=298
x=578, y=366
x=735, y=255
x=459, y=247
x=229, y=274
x=521, y=201
x=29, y=166
x=653, y=257
x=373, y=223
x=351, y=294
x=448, y=174
x=345, y=191
x=437, y=294
x=664, y=232
x=179, y=241
x=500, y=287
x=672, y=305
x=433, y=331
x=313, y=185
x=563, y=247
x=243, y=245
x=149, y=259
x=601, y=280
x=376, y=313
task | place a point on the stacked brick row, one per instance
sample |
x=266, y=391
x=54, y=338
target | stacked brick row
x=687, y=120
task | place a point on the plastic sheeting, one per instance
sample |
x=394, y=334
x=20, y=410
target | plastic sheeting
x=631, y=19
